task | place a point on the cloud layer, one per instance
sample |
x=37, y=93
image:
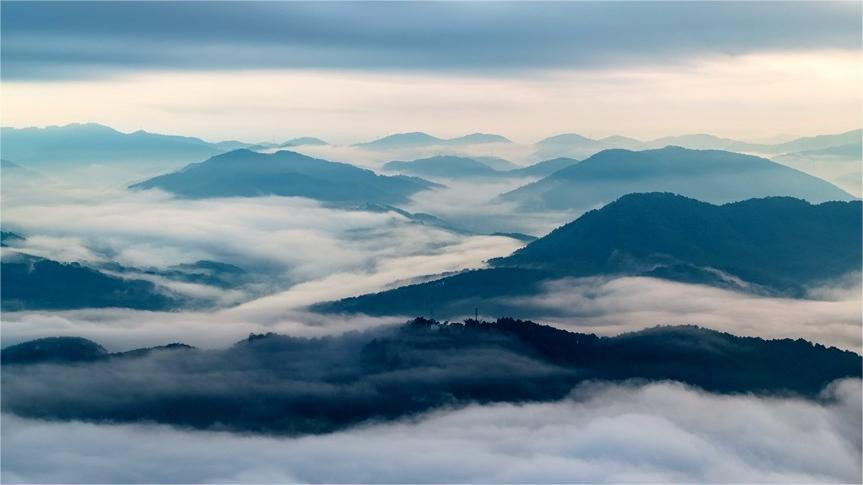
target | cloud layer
x=660, y=432
x=73, y=40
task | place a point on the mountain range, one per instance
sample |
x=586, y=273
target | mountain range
x=420, y=139
x=572, y=144
x=459, y=167
x=777, y=245
x=278, y=384
x=710, y=175
x=35, y=283
x=245, y=173
x=93, y=143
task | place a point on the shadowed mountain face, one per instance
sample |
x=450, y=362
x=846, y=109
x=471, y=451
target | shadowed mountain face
x=244, y=173
x=278, y=384
x=775, y=245
x=31, y=283
x=778, y=242
x=709, y=175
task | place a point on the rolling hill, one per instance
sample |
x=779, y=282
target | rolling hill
x=709, y=175
x=244, y=173
x=774, y=245
x=278, y=384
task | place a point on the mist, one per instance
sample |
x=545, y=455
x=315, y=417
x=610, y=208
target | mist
x=661, y=432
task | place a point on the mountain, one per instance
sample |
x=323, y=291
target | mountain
x=279, y=384
x=14, y=176
x=203, y=272
x=709, y=175
x=700, y=141
x=303, y=140
x=477, y=139
x=776, y=245
x=819, y=142
x=95, y=143
x=850, y=151
x=778, y=242
x=8, y=238
x=53, y=349
x=420, y=218
x=571, y=144
x=34, y=283
x=420, y=139
x=443, y=166
x=497, y=163
x=244, y=173
x=402, y=140
x=516, y=235
x=544, y=168
x=447, y=297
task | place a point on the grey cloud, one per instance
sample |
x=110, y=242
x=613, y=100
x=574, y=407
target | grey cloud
x=60, y=40
x=660, y=432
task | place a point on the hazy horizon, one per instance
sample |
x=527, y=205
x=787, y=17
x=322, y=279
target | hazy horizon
x=636, y=304
x=349, y=73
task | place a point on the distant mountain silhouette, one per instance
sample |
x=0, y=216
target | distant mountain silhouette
x=571, y=144
x=459, y=167
x=279, y=384
x=775, y=245
x=203, y=272
x=497, y=163
x=477, y=139
x=420, y=139
x=303, y=140
x=95, y=143
x=443, y=166
x=819, y=142
x=850, y=151
x=244, y=173
x=34, y=283
x=544, y=168
x=14, y=173
x=709, y=175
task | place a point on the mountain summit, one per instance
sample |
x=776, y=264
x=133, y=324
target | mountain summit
x=710, y=175
x=244, y=173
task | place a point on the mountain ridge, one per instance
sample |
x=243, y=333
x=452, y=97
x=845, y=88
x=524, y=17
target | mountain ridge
x=279, y=384
x=245, y=173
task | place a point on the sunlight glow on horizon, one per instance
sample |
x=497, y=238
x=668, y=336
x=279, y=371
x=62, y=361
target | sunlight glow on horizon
x=748, y=97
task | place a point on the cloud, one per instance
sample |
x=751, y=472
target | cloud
x=830, y=316
x=293, y=237
x=661, y=432
x=72, y=40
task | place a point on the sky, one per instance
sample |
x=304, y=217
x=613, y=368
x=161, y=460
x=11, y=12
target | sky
x=355, y=71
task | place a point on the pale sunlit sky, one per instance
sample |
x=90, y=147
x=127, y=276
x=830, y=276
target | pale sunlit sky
x=350, y=71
